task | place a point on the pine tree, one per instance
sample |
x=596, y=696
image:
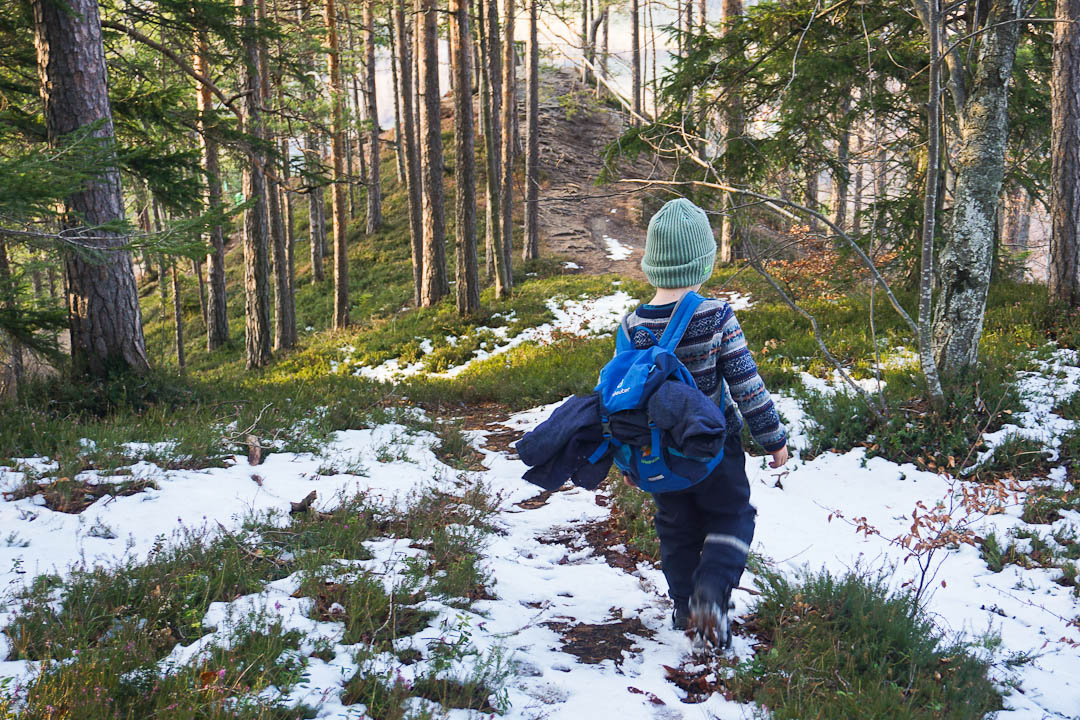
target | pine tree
x=1064, y=264
x=374, y=180
x=337, y=161
x=531, y=245
x=434, y=282
x=468, y=283
x=103, y=302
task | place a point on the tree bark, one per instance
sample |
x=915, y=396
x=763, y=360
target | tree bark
x=434, y=282
x=494, y=141
x=395, y=74
x=857, y=192
x=217, y=320
x=468, y=282
x=374, y=179
x=284, y=306
x=8, y=300
x=842, y=176
x=256, y=241
x=337, y=161
x=102, y=298
x=531, y=245
x=966, y=259
x=930, y=197
x=733, y=128
x=1064, y=261
x=635, y=58
x=412, y=158
x=509, y=144
x=178, y=318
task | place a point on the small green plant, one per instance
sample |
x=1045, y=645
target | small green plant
x=861, y=652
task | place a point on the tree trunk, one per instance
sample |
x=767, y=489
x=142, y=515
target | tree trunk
x=1064, y=261
x=196, y=270
x=374, y=179
x=395, y=73
x=531, y=245
x=434, y=282
x=178, y=318
x=102, y=298
x=496, y=257
x=733, y=128
x=412, y=158
x=8, y=296
x=967, y=257
x=217, y=320
x=256, y=219
x=930, y=197
x=468, y=282
x=635, y=58
x=842, y=176
x=509, y=115
x=337, y=160
x=857, y=192
x=604, y=43
x=284, y=306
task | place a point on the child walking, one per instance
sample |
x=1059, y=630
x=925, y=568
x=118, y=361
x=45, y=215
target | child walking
x=705, y=531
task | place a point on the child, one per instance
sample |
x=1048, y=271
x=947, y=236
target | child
x=705, y=531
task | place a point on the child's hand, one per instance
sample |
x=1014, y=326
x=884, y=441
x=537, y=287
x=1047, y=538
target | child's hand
x=779, y=457
x=626, y=479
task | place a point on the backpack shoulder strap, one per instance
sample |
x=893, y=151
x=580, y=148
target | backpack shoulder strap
x=680, y=320
x=624, y=340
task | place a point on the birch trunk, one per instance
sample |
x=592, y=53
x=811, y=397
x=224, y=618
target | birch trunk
x=966, y=259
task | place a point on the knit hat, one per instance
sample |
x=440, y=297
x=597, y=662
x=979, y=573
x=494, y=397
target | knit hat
x=679, y=247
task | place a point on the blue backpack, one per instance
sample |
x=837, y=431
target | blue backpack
x=626, y=383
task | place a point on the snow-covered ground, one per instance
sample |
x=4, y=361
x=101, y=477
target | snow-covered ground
x=537, y=582
x=581, y=317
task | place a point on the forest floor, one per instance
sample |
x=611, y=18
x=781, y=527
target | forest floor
x=346, y=533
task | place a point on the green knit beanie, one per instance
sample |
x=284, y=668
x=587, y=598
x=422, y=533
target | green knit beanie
x=679, y=247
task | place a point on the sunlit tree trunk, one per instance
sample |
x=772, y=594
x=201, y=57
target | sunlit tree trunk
x=1064, y=262
x=434, y=282
x=468, y=283
x=412, y=157
x=531, y=245
x=374, y=179
x=256, y=240
x=102, y=298
x=509, y=116
x=967, y=257
x=395, y=74
x=635, y=58
x=337, y=161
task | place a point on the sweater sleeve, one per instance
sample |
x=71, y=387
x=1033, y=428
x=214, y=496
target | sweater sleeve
x=738, y=369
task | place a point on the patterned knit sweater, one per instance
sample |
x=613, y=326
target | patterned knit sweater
x=713, y=347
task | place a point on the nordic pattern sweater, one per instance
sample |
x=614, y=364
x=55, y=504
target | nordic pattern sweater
x=713, y=347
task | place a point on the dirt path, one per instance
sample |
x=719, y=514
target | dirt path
x=596, y=227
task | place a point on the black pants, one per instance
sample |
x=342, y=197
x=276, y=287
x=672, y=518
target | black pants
x=705, y=531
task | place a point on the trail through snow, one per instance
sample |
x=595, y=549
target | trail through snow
x=538, y=580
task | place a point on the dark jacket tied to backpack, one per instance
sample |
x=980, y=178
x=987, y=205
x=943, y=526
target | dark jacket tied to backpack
x=559, y=448
x=646, y=415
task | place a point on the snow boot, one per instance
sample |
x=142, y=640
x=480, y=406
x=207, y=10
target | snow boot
x=680, y=616
x=710, y=619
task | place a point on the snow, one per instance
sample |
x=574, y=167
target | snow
x=537, y=582
x=569, y=265
x=616, y=250
x=581, y=318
